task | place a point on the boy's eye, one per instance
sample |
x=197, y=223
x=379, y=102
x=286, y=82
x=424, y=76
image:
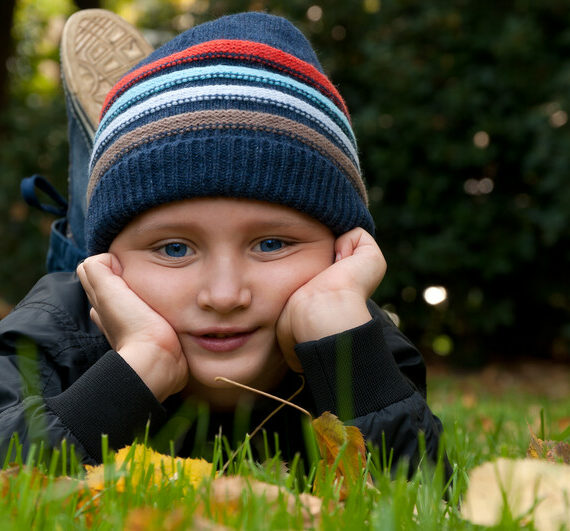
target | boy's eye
x=270, y=245
x=176, y=249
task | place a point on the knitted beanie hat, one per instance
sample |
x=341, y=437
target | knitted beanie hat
x=237, y=107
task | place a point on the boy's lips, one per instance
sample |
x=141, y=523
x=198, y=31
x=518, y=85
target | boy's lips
x=222, y=340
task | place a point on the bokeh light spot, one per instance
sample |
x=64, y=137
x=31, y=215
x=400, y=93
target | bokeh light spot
x=371, y=6
x=435, y=295
x=486, y=185
x=558, y=118
x=315, y=13
x=481, y=139
x=442, y=345
x=478, y=186
x=391, y=312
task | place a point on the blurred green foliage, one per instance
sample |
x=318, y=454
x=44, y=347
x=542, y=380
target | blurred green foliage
x=460, y=109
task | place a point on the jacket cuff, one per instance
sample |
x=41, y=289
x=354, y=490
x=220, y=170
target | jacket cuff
x=109, y=398
x=353, y=373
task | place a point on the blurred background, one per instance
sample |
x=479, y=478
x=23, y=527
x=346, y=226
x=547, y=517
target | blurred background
x=461, y=113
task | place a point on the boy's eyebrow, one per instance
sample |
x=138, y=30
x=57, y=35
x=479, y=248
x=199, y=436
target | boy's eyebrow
x=275, y=224
x=166, y=226
x=156, y=226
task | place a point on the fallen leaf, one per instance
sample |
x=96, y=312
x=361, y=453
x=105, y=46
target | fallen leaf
x=154, y=519
x=226, y=497
x=140, y=458
x=555, y=451
x=332, y=437
x=5, y=476
x=15, y=470
x=150, y=518
x=60, y=485
x=535, y=490
x=61, y=488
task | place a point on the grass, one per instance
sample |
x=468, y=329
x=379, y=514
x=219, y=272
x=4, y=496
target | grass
x=485, y=417
x=490, y=414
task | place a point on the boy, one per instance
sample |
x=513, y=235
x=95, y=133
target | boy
x=228, y=235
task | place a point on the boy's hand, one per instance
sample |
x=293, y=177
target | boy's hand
x=143, y=338
x=335, y=299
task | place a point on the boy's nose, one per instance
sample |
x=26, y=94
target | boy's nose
x=224, y=289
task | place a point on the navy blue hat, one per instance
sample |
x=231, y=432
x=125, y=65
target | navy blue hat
x=236, y=107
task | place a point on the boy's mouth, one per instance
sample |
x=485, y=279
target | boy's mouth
x=223, y=341
x=223, y=336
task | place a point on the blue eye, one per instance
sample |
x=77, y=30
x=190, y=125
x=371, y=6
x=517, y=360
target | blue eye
x=271, y=245
x=175, y=250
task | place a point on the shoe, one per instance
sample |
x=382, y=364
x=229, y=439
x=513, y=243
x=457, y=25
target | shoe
x=97, y=48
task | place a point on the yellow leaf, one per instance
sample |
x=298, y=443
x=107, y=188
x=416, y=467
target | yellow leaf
x=536, y=488
x=165, y=468
x=332, y=437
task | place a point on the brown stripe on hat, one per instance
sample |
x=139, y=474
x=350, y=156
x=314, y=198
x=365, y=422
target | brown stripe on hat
x=225, y=119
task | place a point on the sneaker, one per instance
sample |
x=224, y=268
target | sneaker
x=97, y=49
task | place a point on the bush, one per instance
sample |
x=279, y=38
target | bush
x=460, y=110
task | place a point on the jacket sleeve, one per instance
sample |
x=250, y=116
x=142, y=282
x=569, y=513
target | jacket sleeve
x=53, y=388
x=374, y=378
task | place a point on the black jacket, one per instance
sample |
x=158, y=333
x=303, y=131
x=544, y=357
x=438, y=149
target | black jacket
x=59, y=379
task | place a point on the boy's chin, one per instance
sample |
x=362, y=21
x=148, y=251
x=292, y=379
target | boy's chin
x=213, y=386
x=220, y=395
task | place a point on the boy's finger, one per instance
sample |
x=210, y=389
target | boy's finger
x=344, y=247
x=100, y=273
x=347, y=243
x=83, y=278
x=95, y=318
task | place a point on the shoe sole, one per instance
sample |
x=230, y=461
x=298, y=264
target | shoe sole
x=97, y=48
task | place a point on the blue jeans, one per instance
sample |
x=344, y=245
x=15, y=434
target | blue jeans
x=67, y=239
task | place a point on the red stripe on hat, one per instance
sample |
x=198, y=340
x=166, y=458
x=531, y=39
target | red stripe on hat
x=233, y=49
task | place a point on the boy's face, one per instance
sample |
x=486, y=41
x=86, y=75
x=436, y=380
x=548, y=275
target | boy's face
x=220, y=271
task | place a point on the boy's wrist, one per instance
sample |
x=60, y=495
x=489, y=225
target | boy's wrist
x=154, y=367
x=361, y=358
x=108, y=398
